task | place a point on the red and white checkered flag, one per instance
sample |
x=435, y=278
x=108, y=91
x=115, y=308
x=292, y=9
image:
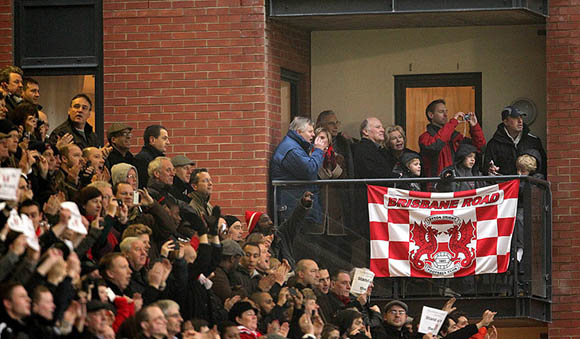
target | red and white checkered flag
x=441, y=235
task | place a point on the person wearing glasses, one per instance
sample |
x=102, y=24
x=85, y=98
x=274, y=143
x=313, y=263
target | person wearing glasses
x=76, y=125
x=119, y=136
x=395, y=317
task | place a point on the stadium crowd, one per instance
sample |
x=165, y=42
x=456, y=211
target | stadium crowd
x=101, y=243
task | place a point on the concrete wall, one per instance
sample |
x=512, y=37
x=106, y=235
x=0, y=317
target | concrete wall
x=353, y=71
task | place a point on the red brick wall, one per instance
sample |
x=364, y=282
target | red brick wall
x=6, y=33
x=563, y=133
x=207, y=71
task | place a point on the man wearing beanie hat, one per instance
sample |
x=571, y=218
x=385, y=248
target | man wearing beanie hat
x=8, y=128
x=282, y=238
x=119, y=136
x=511, y=138
x=394, y=318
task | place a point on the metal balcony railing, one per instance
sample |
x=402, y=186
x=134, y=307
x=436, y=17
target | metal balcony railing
x=524, y=291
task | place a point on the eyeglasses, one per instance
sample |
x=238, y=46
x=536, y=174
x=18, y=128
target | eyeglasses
x=399, y=312
x=127, y=134
x=83, y=107
x=131, y=176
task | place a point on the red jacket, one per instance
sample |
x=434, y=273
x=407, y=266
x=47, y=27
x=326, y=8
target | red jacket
x=438, y=145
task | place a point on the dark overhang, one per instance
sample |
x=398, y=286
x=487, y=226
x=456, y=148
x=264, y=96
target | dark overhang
x=315, y=15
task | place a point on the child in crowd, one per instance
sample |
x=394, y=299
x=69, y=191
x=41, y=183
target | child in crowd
x=464, y=166
x=409, y=166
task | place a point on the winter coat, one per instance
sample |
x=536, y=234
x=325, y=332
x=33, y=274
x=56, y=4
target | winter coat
x=504, y=153
x=142, y=159
x=439, y=144
x=458, y=170
x=83, y=141
x=296, y=159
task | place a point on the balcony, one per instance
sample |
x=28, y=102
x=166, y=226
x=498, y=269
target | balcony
x=315, y=15
x=523, y=293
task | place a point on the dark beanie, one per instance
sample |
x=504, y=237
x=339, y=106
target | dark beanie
x=6, y=126
x=230, y=220
x=239, y=308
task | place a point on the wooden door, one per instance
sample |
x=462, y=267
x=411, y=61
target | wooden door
x=458, y=99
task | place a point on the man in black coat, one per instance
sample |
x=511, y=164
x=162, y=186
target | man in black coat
x=156, y=140
x=510, y=140
x=119, y=136
x=76, y=124
x=371, y=161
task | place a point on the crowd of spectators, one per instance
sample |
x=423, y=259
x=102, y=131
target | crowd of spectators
x=101, y=243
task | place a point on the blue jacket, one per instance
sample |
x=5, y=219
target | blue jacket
x=292, y=161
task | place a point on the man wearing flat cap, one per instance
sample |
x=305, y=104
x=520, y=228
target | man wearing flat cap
x=394, y=318
x=119, y=136
x=511, y=139
x=183, y=169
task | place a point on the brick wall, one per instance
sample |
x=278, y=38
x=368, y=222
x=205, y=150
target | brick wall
x=563, y=134
x=6, y=33
x=202, y=69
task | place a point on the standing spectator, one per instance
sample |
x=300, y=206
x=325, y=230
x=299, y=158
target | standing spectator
x=66, y=179
x=25, y=116
x=441, y=140
x=202, y=188
x=511, y=138
x=228, y=262
x=155, y=140
x=119, y=136
x=370, y=160
x=396, y=141
x=184, y=167
x=395, y=318
x=161, y=173
x=340, y=144
x=3, y=108
x=11, y=84
x=76, y=124
x=408, y=166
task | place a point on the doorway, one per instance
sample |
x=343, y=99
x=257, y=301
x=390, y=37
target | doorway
x=461, y=91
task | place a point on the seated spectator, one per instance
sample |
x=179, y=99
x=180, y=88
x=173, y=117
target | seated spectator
x=95, y=164
x=395, y=317
x=307, y=275
x=409, y=166
x=25, y=117
x=119, y=136
x=76, y=124
x=155, y=142
x=181, y=188
x=323, y=285
x=7, y=127
x=246, y=317
x=450, y=330
x=234, y=230
x=66, y=179
x=174, y=320
x=351, y=324
x=97, y=320
x=228, y=262
x=228, y=330
x=125, y=173
x=151, y=322
x=161, y=173
x=245, y=275
x=338, y=297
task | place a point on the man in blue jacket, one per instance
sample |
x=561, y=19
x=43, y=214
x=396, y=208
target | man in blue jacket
x=296, y=158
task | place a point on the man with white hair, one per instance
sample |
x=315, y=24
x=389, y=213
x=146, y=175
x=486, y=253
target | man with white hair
x=296, y=158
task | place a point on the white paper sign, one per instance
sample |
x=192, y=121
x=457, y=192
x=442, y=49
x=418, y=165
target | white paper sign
x=23, y=224
x=361, y=280
x=9, y=178
x=431, y=320
x=75, y=223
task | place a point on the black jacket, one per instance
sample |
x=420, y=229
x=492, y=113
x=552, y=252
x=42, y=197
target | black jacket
x=143, y=159
x=89, y=139
x=181, y=190
x=504, y=153
x=115, y=157
x=371, y=161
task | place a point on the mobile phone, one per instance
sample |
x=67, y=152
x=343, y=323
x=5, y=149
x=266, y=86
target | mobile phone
x=293, y=291
x=135, y=197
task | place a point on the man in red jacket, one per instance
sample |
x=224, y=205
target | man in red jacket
x=441, y=140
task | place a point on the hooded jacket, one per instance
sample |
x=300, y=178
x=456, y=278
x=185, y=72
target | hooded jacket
x=120, y=171
x=458, y=170
x=504, y=153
